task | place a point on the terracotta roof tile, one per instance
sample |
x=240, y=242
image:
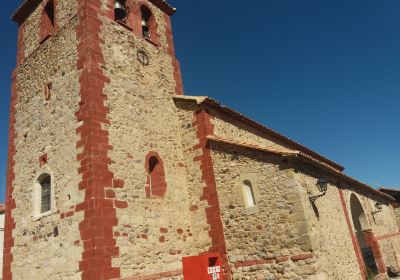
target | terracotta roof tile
x=200, y=100
x=304, y=157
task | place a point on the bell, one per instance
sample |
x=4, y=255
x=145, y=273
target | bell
x=144, y=23
x=120, y=10
x=118, y=6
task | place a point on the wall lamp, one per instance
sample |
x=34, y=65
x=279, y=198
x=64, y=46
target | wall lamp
x=378, y=207
x=322, y=186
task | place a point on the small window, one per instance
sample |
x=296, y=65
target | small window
x=156, y=184
x=47, y=91
x=45, y=193
x=146, y=22
x=248, y=194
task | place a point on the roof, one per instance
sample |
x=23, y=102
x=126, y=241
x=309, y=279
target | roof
x=392, y=192
x=297, y=155
x=204, y=100
x=26, y=8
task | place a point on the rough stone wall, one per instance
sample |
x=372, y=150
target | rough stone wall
x=270, y=240
x=47, y=127
x=397, y=213
x=383, y=225
x=65, y=10
x=225, y=126
x=194, y=182
x=329, y=232
x=152, y=233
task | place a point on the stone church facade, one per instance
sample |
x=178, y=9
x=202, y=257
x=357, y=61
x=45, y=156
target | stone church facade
x=113, y=173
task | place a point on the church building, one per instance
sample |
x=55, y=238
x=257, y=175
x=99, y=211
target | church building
x=114, y=173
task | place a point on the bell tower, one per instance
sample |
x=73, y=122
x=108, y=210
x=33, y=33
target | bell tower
x=95, y=181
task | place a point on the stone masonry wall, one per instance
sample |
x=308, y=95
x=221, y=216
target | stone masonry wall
x=153, y=234
x=227, y=127
x=268, y=241
x=383, y=224
x=65, y=10
x=46, y=248
x=329, y=232
x=397, y=213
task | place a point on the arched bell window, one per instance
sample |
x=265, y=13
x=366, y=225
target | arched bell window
x=147, y=22
x=248, y=194
x=47, y=24
x=121, y=10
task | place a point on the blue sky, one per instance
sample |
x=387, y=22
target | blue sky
x=324, y=73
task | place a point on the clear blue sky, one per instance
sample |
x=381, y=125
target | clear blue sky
x=324, y=73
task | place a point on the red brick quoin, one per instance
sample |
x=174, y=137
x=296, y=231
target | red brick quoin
x=9, y=223
x=99, y=206
x=204, y=128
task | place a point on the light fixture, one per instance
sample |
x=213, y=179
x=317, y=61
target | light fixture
x=378, y=207
x=322, y=186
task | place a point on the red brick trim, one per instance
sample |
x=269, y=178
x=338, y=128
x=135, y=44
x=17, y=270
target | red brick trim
x=294, y=258
x=21, y=45
x=97, y=227
x=387, y=236
x=9, y=223
x=371, y=241
x=354, y=241
x=255, y=262
x=156, y=276
x=171, y=52
x=204, y=127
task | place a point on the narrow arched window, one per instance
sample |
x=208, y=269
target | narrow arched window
x=248, y=194
x=147, y=22
x=47, y=25
x=45, y=193
x=156, y=184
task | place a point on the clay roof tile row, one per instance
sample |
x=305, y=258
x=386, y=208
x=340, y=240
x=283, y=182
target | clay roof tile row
x=305, y=157
x=211, y=102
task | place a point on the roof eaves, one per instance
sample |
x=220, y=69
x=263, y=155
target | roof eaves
x=164, y=6
x=26, y=8
x=389, y=190
x=211, y=102
x=303, y=157
x=343, y=176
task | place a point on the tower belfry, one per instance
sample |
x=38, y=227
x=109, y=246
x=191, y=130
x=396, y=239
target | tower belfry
x=92, y=83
